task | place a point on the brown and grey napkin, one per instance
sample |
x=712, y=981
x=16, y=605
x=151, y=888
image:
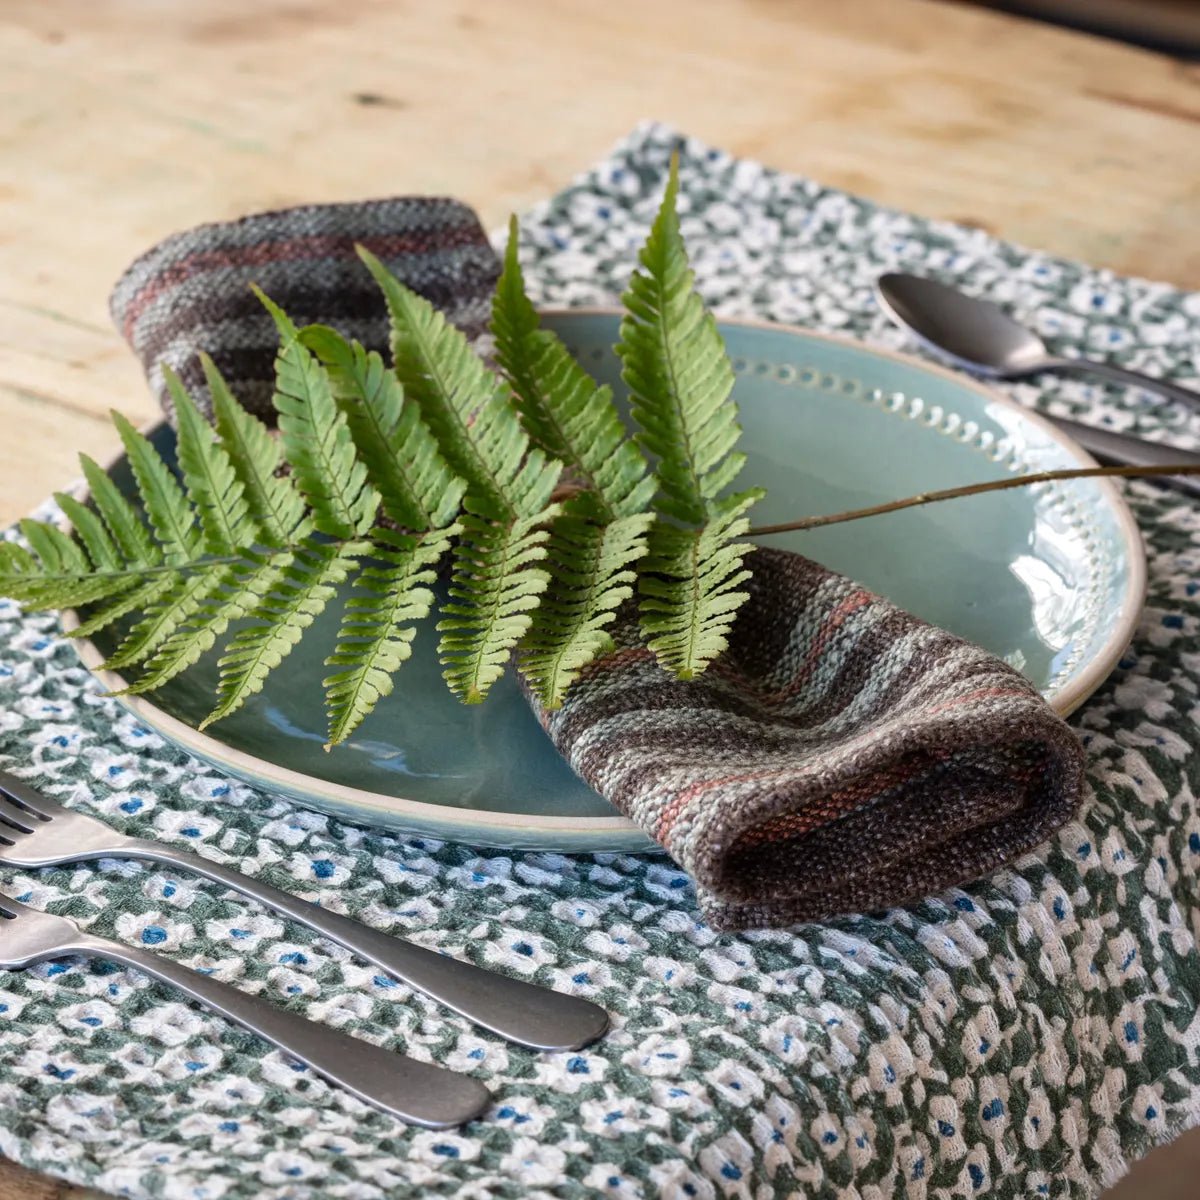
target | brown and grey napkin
x=841, y=756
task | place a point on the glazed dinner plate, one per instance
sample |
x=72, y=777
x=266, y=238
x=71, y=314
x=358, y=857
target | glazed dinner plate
x=1048, y=577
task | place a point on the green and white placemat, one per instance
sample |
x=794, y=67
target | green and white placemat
x=1026, y=1036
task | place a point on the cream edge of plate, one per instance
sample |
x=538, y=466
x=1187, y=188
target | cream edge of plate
x=272, y=777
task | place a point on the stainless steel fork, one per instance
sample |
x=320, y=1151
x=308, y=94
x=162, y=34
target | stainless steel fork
x=35, y=831
x=413, y=1091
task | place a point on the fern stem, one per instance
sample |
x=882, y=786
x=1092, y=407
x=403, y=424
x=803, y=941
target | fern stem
x=697, y=599
x=137, y=573
x=971, y=489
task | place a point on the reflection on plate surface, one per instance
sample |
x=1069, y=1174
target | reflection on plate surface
x=1049, y=578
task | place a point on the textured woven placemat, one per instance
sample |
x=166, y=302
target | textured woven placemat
x=1023, y=1037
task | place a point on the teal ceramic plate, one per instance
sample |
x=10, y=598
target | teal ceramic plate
x=1050, y=578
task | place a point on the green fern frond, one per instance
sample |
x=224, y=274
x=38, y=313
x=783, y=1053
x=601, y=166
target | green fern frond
x=377, y=629
x=166, y=614
x=212, y=484
x=139, y=599
x=675, y=363
x=496, y=587
x=279, y=620
x=275, y=505
x=171, y=517
x=564, y=410
x=90, y=531
x=418, y=489
x=469, y=410
x=316, y=438
x=238, y=592
x=591, y=576
x=263, y=530
x=689, y=587
x=130, y=535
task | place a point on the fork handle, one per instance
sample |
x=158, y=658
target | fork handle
x=523, y=1012
x=413, y=1091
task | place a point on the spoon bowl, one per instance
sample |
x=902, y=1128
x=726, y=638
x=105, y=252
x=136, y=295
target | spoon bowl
x=983, y=338
x=976, y=334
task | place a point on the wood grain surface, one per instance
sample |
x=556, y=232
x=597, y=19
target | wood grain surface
x=123, y=121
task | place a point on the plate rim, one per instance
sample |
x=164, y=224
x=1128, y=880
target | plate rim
x=362, y=806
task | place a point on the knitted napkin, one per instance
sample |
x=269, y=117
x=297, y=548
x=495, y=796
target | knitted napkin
x=841, y=756
x=191, y=292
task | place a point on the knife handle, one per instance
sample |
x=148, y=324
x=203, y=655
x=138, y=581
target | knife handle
x=1121, y=450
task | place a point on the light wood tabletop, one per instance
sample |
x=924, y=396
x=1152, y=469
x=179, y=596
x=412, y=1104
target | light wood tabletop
x=123, y=122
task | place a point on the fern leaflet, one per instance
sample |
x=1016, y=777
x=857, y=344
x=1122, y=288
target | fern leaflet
x=212, y=483
x=170, y=515
x=237, y=593
x=278, y=621
x=139, y=599
x=378, y=628
x=689, y=587
x=166, y=614
x=418, y=489
x=681, y=380
x=591, y=575
x=90, y=530
x=496, y=587
x=316, y=439
x=469, y=409
x=565, y=411
x=275, y=505
x=130, y=535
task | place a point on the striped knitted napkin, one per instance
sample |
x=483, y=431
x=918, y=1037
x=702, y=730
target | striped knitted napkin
x=841, y=756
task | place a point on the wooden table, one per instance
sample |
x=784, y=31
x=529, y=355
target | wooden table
x=122, y=121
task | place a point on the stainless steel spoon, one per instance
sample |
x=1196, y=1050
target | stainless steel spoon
x=983, y=338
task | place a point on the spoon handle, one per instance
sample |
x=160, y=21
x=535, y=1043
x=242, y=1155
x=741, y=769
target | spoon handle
x=1115, y=374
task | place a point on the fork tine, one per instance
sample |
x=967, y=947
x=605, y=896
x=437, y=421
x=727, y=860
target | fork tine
x=10, y=908
x=14, y=818
x=28, y=796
